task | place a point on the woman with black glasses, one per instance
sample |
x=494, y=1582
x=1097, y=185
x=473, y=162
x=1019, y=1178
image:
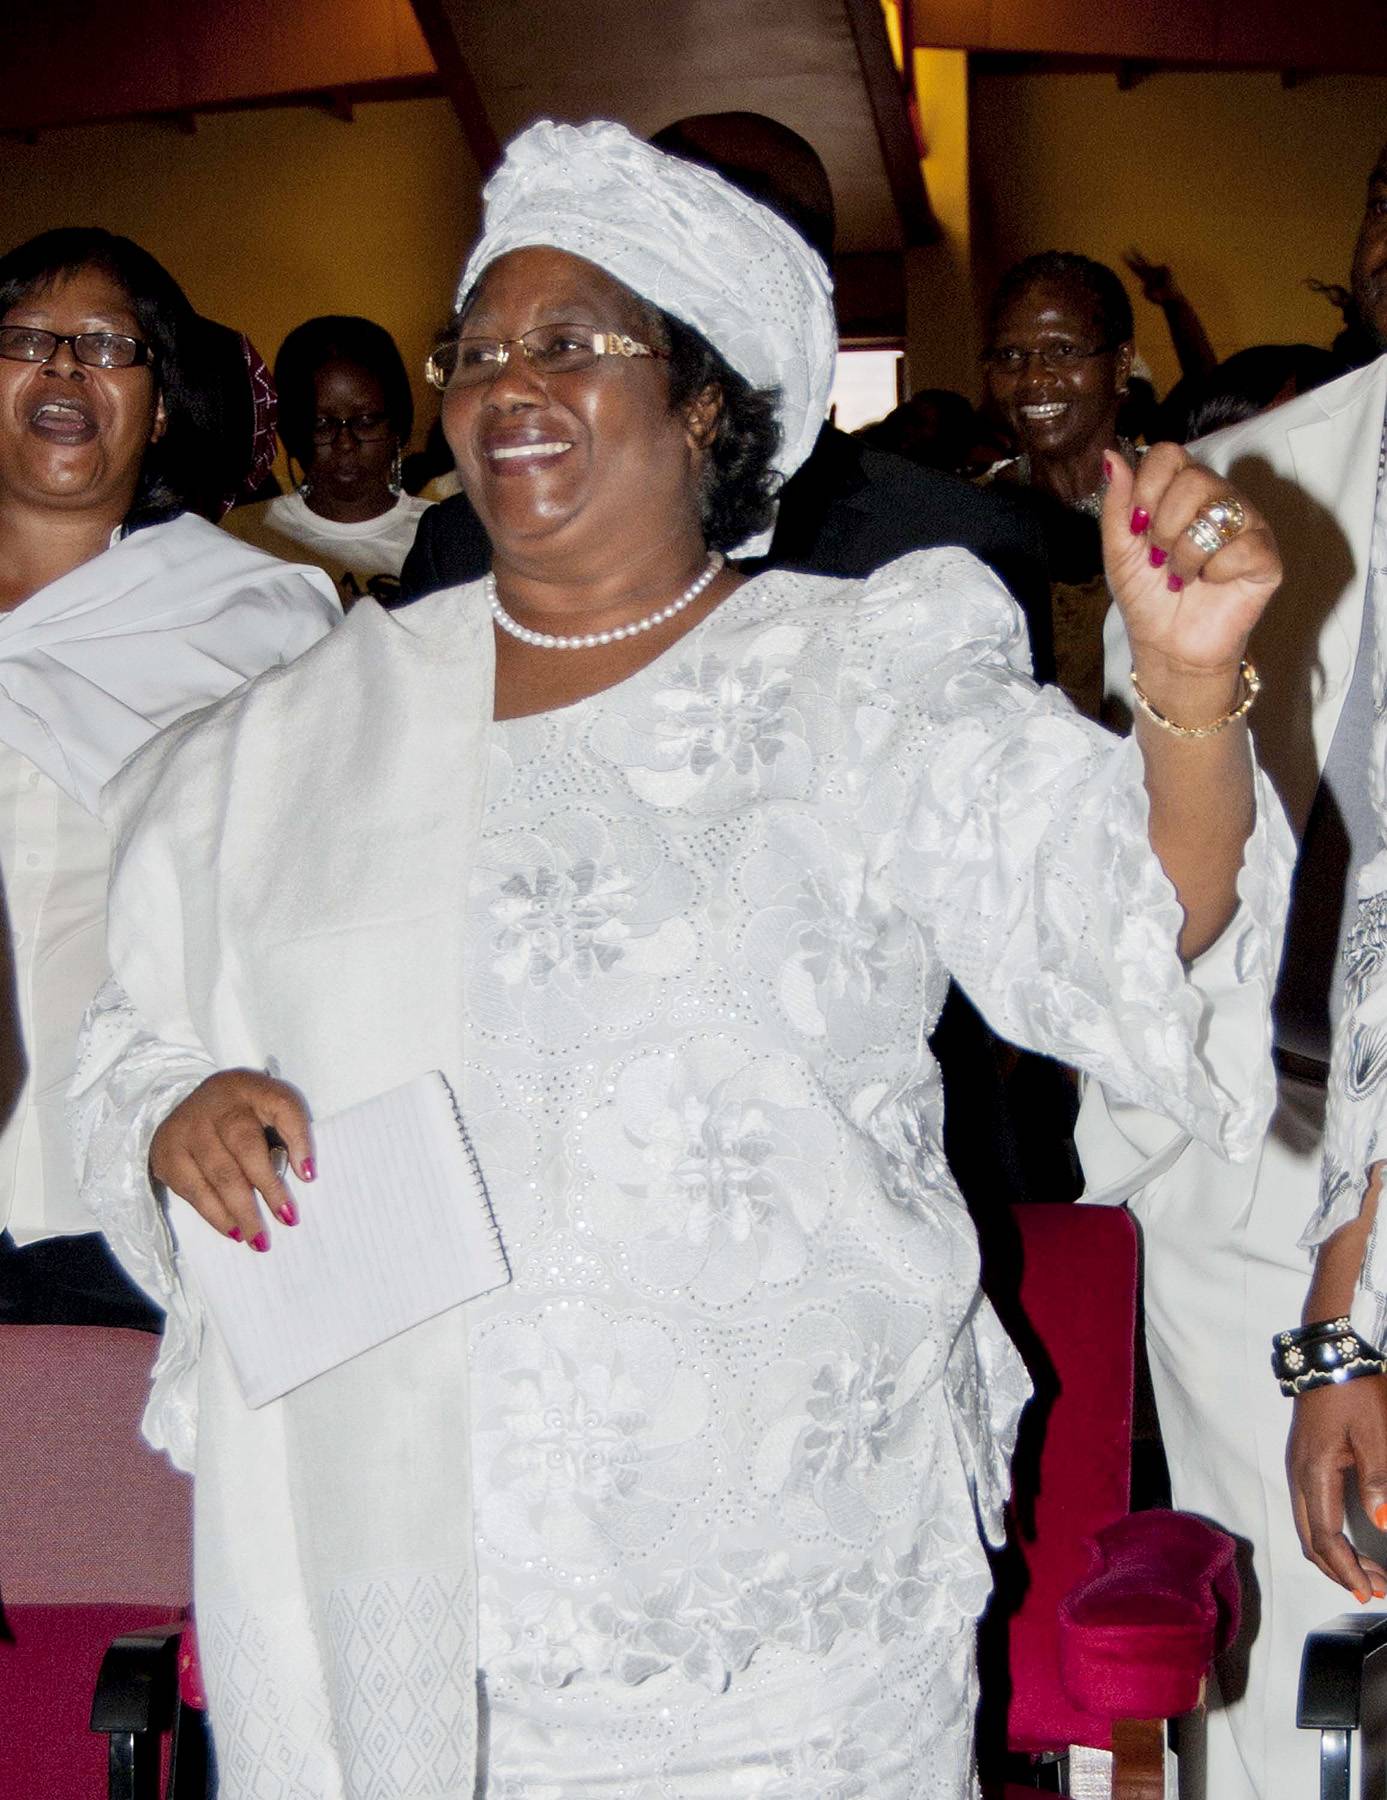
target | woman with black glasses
x=1058, y=359
x=345, y=415
x=123, y=416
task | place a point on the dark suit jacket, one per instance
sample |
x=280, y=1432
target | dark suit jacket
x=847, y=511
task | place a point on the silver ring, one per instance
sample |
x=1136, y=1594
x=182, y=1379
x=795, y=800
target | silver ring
x=1204, y=535
x=1216, y=524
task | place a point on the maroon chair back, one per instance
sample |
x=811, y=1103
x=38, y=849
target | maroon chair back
x=95, y=1541
x=1076, y=1327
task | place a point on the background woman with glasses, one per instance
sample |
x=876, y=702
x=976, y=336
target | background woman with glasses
x=123, y=416
x=345, y=415
x=1058, y=358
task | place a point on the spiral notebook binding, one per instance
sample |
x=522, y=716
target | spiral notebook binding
x=470, y=1151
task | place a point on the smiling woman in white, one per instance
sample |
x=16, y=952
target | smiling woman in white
x=120, y=611
x=667, y=871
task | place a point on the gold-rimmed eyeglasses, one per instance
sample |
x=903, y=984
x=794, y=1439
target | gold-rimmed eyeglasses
x=549, y=350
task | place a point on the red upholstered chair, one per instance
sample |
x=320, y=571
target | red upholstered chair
x=1106, y=1621
x=95, y=1532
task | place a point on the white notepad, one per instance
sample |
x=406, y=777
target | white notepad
x=397, y=1228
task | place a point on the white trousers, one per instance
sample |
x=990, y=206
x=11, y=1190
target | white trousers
x=1223, y=1273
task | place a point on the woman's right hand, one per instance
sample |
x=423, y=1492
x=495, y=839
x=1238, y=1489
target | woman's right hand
x=212, y=1151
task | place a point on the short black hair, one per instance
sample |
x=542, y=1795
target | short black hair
x=191, y=467
x=1102, y=285
x=768, y=161
x=1243, y=385
x=739, y=478
x=337, y=337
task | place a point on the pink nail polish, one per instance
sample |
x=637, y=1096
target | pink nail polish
x=1107, y=467
x=1140, y=520
x=235, y=1235
x=288, y=1213
x=260, y=1242
x=310, y=1169
x=1158, y=556
x=1174, y=583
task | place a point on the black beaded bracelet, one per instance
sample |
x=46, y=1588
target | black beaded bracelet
x=1322, y=1354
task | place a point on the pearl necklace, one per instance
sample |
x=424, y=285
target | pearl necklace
x=545, y=640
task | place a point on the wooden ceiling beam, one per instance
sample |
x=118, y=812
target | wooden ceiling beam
x=458, y=83
x=888, y=95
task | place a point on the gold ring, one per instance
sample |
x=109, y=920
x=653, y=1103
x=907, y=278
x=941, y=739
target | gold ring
x=1216, y=524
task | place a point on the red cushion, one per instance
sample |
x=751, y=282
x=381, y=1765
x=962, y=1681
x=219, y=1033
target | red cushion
x=47, y=1679
x=1138, y=1634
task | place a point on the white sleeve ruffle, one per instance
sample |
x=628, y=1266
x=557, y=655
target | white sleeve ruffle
x=1356, y=1117
x=1024, y=850
x=127, y=1082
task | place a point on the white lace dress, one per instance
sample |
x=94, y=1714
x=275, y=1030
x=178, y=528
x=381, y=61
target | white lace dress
x=728, y=1419
x=735, y=1420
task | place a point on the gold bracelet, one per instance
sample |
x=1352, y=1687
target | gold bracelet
x=1252, y=686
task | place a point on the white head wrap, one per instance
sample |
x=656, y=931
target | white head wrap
x=687, y=242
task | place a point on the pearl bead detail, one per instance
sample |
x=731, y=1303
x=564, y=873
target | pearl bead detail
x=545, y=640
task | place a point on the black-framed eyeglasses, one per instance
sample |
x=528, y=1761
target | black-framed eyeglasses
x=1011, y=359
x=549, y=350
x=366, y=428
x=96, y=349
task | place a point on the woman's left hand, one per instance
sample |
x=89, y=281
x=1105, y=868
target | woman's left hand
x=1188, y=612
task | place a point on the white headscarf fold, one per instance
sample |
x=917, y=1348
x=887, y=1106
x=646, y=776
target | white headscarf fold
x=684, y=240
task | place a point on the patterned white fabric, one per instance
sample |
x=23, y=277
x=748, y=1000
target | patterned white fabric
x=1358, y=1075
x=685, y=240
x=727, y=1421
x=733, y=1424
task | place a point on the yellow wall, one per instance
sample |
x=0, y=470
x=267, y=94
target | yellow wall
x=1244, y=186
x=269, y=217
x=941, y=339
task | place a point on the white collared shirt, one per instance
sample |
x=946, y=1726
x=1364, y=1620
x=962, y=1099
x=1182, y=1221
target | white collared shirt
x=53, y=859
